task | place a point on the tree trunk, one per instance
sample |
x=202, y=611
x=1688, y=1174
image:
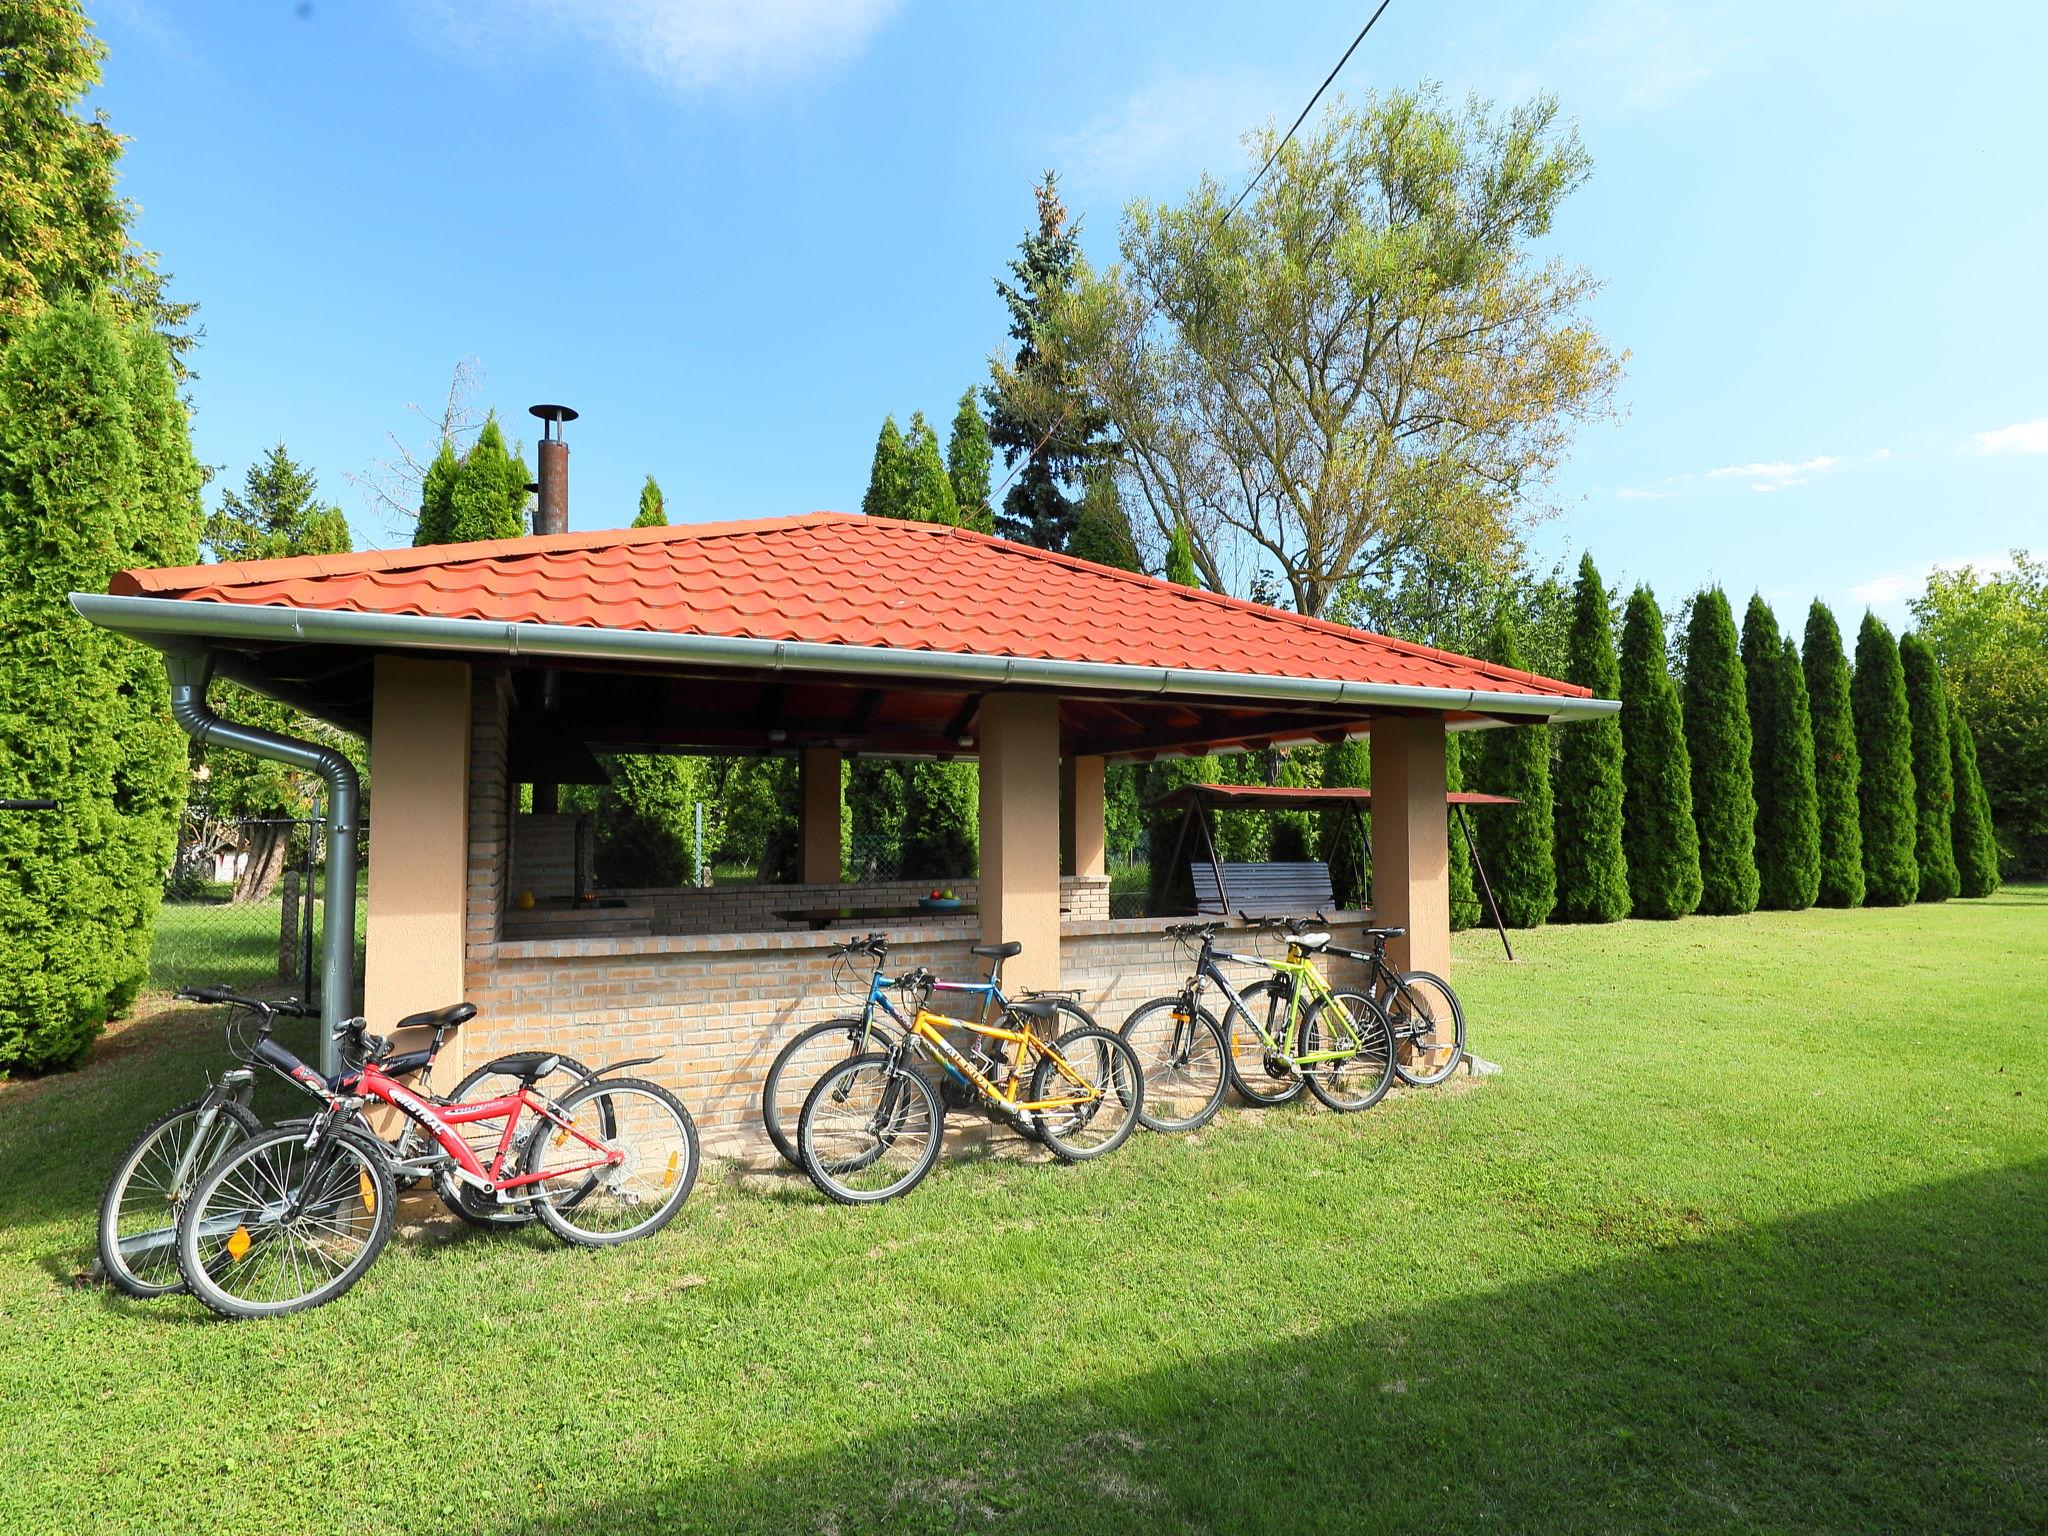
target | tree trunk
x=267, y=846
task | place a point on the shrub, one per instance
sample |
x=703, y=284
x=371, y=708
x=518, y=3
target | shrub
x=1515, y=840
x=1717, y=737
x=1884, y=752
x=1781, y=766
x=1836, y=770
x=1466, y=911
x=1658, y=834
x=1169, y=889
x=1976, y=846
x=942, y=821
x=1592, y=871
x=1933, y=780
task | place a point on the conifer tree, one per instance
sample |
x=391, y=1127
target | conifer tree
x=1781, y=765
x=968, y=460
x=1836, y=771
x=652, y=514
x=1515, y=840
x=1168, y=888
x=1717, y=738
x=1466, y=911
x=888, y=493
x=437, y=498
x=1102, y=530
x=1662, y=842
x=278, y=512
x=1592, y=873
x=1180, y=559
x=1884, y=752
x=489, y=499
x=941, y=821
x=931, y=492
x=1933, y=780
x=1346, y=765
x=1976, y=845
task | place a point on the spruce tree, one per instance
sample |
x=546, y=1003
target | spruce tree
x=931, y=492
x=277, y=513
x=888, y=493
x=968, y=460
x=1662, y=842
x=1717, y=738
x=1515, y=840
x=1781, y=766
x=1976, y=845
x=1466, y=911
x=1884, y=752
x=652, y=514
x=1836, y=770
x=1933, y=777
x=1592, y=872
x=1102, y=531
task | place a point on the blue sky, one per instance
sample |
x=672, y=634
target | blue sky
x=733, y=233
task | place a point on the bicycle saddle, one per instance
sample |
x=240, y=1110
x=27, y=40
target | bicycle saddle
x=1315, y=940
x=527, y=1066
x=439, y=1018
x=1385, y=933
x=997, y=951
x=1043, y=1009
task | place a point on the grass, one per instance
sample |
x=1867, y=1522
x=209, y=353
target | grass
x=200, y=943
x=1751, y=1234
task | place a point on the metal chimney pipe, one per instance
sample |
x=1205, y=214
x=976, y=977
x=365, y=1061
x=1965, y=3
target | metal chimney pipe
x=551, y=511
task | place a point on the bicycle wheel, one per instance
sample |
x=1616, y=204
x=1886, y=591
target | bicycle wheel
x=655, y=1143
x=1261, y=1077
x=482, y=1137
x=870, y=1130
x=138, y=1236
x=1429, y=1028
x=1080, y=1018
x=277, y=1226
x=810, y=1054
x=1186, y=1062
x=1357, y=1081
x=1098, y=1076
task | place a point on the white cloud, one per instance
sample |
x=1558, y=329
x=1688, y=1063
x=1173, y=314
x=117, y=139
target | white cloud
x=2020, y=437
x=1780, y=471
x=1897, y=586
x=685, y=45
x=1776, y=485
x=1641, y=493
x=1643, y=54
x=1176, y=125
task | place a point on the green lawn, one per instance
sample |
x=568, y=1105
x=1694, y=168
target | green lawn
x=1751, y=1234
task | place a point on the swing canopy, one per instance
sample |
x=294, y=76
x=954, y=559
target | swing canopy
x=1282, y=797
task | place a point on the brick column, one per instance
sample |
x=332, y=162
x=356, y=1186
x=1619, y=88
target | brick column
x=818, y=799
x=1020, y=844
x=1411, y=868
x=1083, y=848
x=420, y=724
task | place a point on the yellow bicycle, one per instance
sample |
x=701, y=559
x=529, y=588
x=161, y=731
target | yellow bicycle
x=872, y=1126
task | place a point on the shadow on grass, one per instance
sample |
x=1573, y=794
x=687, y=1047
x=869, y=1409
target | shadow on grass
x=1879, y=1366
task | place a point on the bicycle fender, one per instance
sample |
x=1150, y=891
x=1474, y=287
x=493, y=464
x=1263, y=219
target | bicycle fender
x=620, y=1066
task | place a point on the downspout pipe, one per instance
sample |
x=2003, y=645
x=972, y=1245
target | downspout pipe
x=189, y=676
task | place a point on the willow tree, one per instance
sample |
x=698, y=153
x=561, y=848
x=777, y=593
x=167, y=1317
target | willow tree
x=1369, y=352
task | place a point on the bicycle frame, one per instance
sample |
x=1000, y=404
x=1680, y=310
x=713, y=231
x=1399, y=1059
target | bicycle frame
x=440, y=1121
x=1303, y=976
x=926, y=1027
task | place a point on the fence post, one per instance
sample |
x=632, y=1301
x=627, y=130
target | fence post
x=288, y=929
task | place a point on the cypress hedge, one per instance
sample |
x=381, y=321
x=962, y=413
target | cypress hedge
x=1836, y=767
x=91, y=481
x=1884, y=751
x=1717, y=736
x=1346, y=765
x=1933, y=782
x=1976, y=844
x=1515, y=840
x=1168, y=886
x=1658, y=834
x=1592, y=871
x=1466, y=911
x=1781, y=765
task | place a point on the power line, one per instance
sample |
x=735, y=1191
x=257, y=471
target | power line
x=1285, y=139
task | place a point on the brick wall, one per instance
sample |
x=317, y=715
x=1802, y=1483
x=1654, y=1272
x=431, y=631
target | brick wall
x=550, y=854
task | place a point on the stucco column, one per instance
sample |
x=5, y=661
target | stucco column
x=817, y=772
x=1020, y=844
x=1083, y=848
x=1411, y=866
x=419, y=843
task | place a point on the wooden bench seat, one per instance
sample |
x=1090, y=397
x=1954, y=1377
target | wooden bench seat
x=1263, y=890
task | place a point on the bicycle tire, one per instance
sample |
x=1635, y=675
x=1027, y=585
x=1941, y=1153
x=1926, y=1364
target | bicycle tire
x=1417, y=985
x=158, y=1274
x=670, y=1169
x=473, y=1205
x=1173, y=1066
x=201, y=1250
x=772, y=1118
x=825, y=1167
x=1251, y=1064
x=1123, y=1081
x=1360, y=1080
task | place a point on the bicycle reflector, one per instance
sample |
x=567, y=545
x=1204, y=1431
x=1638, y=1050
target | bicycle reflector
x=669, y=1177
x=367, y=1189
x=238, y=1243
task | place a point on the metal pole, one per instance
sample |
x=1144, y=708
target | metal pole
x=306, y=917
x=698, y=868
x=1485, y=884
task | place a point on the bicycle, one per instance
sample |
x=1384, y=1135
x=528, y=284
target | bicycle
x=1339, y=1047
x=872, y=1126
x=294, y=1216
x=815, y=1049
x=1183, y=1050
x=1417, y=1005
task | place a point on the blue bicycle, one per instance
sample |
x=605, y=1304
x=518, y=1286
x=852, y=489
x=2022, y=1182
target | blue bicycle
x=817, y=1049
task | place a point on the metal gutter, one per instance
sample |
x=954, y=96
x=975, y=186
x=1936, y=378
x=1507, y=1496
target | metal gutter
x=190, y=672
x=157, y=620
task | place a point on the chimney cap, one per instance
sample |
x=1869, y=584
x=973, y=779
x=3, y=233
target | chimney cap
x=551, y=412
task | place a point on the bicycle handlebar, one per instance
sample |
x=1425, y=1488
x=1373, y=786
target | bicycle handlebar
x=28, y=805
x=876, y=944
x=1193, y=930
x=224, y=995
x=1291, y=924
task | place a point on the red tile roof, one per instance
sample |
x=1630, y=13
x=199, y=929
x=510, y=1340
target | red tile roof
x=838, y=578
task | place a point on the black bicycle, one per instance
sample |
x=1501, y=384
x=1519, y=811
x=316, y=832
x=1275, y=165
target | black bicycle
x=1427, y=1019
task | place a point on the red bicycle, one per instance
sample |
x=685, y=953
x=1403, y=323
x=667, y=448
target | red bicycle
x=293, y=1217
